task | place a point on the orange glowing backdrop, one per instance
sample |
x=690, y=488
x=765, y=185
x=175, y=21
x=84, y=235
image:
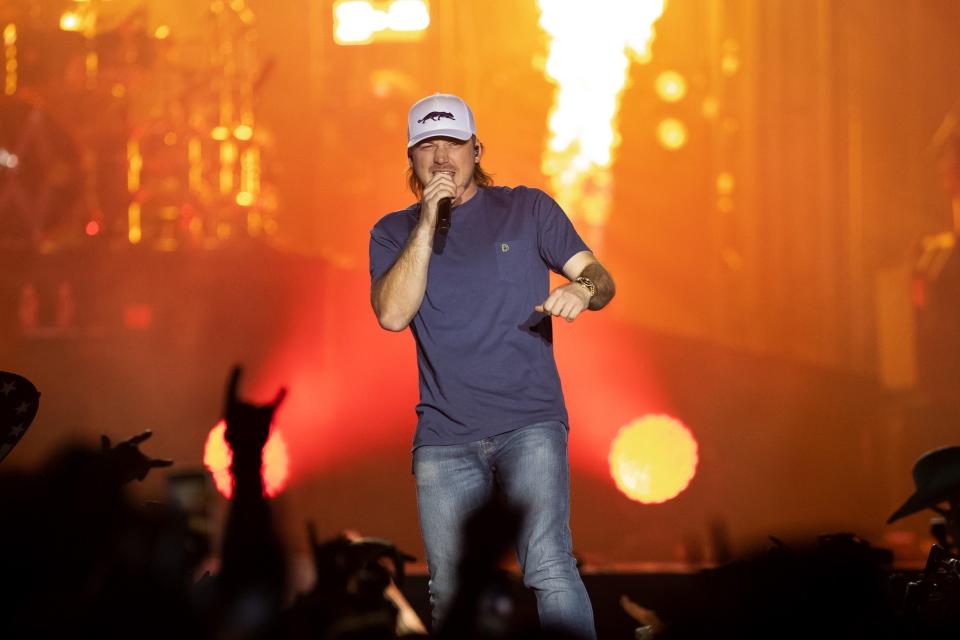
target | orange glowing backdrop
x=744, y=169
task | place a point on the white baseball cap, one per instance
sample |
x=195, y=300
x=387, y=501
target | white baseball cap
x=439, y=115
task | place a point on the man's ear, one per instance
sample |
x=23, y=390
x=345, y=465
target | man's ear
x=477, y=152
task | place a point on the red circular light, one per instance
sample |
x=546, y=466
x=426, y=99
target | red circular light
x=217, y=457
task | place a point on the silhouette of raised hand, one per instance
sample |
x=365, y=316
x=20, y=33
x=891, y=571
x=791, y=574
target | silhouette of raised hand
x=127, y=461
x=248, y=425
x=253, y=571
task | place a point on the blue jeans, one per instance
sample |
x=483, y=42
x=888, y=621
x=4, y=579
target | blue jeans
x=530, y=466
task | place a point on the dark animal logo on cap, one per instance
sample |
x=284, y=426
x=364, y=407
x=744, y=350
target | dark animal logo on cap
x=435, y=116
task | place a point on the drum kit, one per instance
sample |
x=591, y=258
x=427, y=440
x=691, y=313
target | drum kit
x=116, y=132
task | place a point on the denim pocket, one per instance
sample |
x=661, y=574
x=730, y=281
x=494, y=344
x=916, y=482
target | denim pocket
x=512, y=260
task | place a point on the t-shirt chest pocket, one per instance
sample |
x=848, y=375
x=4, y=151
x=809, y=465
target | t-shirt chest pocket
x=513, y=259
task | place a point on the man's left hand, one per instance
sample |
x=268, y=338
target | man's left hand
x=566, y=302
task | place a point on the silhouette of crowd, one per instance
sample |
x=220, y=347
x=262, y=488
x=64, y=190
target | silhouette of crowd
x=82, y=559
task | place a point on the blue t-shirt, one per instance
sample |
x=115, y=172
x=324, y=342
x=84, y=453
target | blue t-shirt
x=485, y=356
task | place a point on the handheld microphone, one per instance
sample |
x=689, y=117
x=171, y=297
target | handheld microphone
x=443, y=215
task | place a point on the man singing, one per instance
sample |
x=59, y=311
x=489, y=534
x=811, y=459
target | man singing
x=477, y=300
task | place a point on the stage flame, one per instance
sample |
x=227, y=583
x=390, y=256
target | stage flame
x=591, y=46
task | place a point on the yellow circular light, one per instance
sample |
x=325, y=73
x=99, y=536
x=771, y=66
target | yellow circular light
x=671, y=86
x=162, y=32
x=725, y=183
x=653, y=459
x=70, y=21
x=672, y=133
x=243, y=132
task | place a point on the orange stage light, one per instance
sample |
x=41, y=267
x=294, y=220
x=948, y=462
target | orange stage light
x=217, y=457
x=672, y=133
x=71, y=21
x=134, y=230
x=653, y=459
x=10, y=59
x=363, y=21
x=243, y=132
x=671, y=86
